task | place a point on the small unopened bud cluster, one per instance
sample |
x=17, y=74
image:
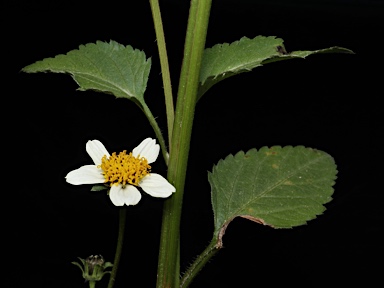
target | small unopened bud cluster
x=93, y=267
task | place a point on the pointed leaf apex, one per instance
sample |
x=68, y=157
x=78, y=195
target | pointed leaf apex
x=107, y=67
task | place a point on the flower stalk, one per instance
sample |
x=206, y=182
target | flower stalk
x=119, y=246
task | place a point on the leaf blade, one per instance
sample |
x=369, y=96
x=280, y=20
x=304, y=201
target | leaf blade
x=225, y=60
x=278, y=187
x=107, y=67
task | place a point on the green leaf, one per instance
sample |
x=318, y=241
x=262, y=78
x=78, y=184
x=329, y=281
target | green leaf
x=278, y=187
x=99, y=187
x=107, y=67
x=225, y=60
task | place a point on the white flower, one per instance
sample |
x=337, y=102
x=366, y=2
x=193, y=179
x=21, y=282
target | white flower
x=123, y=172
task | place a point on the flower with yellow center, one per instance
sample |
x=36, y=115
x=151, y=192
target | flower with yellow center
x=123, y=172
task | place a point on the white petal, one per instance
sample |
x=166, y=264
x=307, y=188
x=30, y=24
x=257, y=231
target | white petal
x=88, y=174
x=148, y=149
x=96, y=150
x=128, y=195
x=156, y=186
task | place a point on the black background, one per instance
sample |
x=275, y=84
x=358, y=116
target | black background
x=329, y=102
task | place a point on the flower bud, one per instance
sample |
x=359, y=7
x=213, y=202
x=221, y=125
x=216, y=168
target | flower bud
x=93, y=267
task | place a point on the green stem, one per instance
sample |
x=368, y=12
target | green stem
x=168, y=263
x=92, y=284
x=157, y=130
x=199, y=263
x=119, y=246
x=164, y=65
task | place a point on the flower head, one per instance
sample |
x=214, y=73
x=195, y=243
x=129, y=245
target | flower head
x=93, y=267
x=123, y=172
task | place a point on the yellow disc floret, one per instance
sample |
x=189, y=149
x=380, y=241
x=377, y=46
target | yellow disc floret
x=124, y=168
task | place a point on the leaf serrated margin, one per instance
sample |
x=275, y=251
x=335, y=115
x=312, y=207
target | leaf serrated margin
x=322, y=164
x=111, y=68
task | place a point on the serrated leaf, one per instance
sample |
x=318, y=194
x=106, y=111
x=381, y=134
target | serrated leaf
x=278, y=187
x=226, y=60
x=107, y=67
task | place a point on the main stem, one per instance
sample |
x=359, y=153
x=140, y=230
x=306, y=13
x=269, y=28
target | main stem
x=169, y=262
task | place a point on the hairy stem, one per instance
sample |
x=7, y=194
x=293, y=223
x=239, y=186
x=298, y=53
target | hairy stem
x=199, y=263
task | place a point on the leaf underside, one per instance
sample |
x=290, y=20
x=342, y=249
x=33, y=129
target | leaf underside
x=226, y=60
x=111, y=68
x=278, y=187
